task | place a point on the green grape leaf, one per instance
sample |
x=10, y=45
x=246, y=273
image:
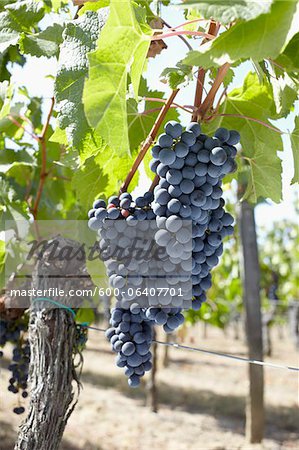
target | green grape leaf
x=18, y=17
x=289, y=59
x=175, y=76
x=295, y=148
x=101, y=172
x=252, y=39
x=116, y=169
x=26, y=13
x=265, y=175
x=9, y=31
x=88, y=182
x=260, y=143
x=122, y=46
x=20, y=171
x=85, y=315
x=59, y=136
x=46, y=43
x=140, y=121
x=227, y=11
x=93, y=6
x=79, y=37
x=6, y=92
x=97, y=272
x=285, y=92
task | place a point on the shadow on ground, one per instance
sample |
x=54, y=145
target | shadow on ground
x=281, y=420
x=8, y=438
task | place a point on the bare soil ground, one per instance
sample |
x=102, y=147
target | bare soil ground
x=201, y=400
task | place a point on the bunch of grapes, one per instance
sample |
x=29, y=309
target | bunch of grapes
x=186, y=216
x=13, y=332
x=191, y=167
x=131, y=337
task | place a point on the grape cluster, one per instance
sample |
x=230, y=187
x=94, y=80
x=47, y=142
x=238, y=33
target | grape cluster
x=186, y=216
x=191, y=166
x=121, y=207
x=170, y=318
x=131, y=337
x=13, y=332
x=127, y=245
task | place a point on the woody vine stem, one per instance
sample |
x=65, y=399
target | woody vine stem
x=200, y=109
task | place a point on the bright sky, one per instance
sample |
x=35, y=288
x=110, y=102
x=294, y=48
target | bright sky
x=35, y=77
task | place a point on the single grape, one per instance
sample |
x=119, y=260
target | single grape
x=191, y=160
x=188, y=173
x=212, y=143
x=181, y=149
x=162, y=196
x=222, y=134
x=174, y=129
x=167, y=156
x=100, y=203
x=174, y=176
x=174, y=205
x=155, y=151
x=162, y=170
x=201, y=169
x=188, y=137
x=195, y=128
x=187, y=186
x=218, y=156
x=174, y=191
x=234, y=137
x=203, y=156
x=165, y=140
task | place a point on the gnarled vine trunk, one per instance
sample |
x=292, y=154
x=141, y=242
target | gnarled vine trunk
x=52, y=373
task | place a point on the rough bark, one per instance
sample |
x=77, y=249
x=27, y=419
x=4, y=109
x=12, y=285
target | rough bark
x=52, y=375
x=252, y=302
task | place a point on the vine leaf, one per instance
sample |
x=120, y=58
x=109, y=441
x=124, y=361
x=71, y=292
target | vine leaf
x=285, y=92
x=101, y=172
x=46, y=43
x=259, y=143
x=295, y=148
x=289, y=59
x=92, y=6
x=140, y=121
x=16, y=18
x=122, y=47
x=79, y=37
x=88, y=182
x=227, y=11
x=234, y=44
x=175, y=76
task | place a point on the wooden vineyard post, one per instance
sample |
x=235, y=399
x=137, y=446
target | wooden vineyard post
x=152, y=391
x=252, y=302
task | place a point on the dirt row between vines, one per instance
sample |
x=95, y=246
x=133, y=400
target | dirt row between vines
x=201, y=400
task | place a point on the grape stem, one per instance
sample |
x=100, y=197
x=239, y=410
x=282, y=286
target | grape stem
x=208, y=101
x=162, y=100
x=156, y=37
x=213, y=30
x=19, y=125
x=180, y=36
x=154, y=183
x=149, y=140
